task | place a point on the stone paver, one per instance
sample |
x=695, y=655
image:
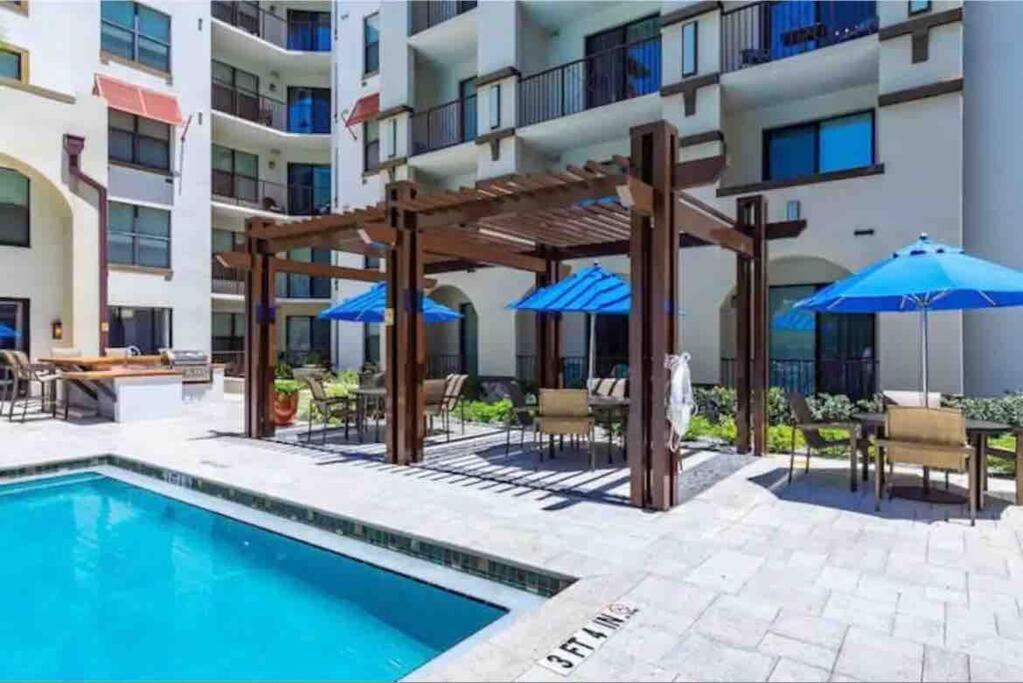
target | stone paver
x=750, y=578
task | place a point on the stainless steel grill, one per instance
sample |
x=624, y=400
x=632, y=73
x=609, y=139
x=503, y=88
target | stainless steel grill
x=194, y=366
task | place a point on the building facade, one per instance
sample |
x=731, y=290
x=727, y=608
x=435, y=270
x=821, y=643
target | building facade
x=847, y=114
x=193, y=116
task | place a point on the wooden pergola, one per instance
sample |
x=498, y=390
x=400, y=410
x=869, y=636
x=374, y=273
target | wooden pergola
x=637, y=206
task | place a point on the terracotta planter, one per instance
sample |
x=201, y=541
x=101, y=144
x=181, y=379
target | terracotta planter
x=285, y=407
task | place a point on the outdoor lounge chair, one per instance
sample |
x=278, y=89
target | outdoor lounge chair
x=928, y=437
x=565, y=412
x=802, y=420
x=433, y=390
x=327, y=407
x=519, y=416
x=25, y=373
x=454, y=385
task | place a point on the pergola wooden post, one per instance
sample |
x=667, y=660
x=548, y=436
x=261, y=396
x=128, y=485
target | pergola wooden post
x=751, y=213
x=653, y=254
x=548, y=333
x=743, y=304
x=260, y=337
x=406, y=341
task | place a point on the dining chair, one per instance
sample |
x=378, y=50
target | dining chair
x=453, y=398
x=565, y=412
x=433, y=391
x=25, y=374
x=914, y=399
x=520, y=416
x=927, y=437
x=816, y=442
x=326, y=406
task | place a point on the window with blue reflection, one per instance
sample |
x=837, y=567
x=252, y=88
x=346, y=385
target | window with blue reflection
x=308, y=31
x=791, y=152
x=689, y=49
x=308, y=110
x=846, y=142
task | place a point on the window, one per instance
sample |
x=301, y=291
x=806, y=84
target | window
x=136, y=32
x=149, y=329
x=308, y=31
x=135, y=140
x=298, y=286
x=308, y=189
x=689, y=59
x=13, y=64
x=836, y=144
x=495, y=106
x=228, y=335
x=371, y=145
x=371, y=44
x=14, y=314
x=467, y=96
x=14, y=209
x=236, y=174
x=236, y=92
x=307, y=340
x=308, y=110
x=918, y=6
x=138, y=235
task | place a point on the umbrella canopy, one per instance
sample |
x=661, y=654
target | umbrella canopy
x=925, y=276
x=7, y=332
x=369, y=307
x=592, y=290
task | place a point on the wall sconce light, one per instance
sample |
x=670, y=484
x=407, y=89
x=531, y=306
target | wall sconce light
x=57, y=329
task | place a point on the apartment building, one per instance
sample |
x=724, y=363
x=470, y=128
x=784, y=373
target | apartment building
x=847, y=114
x=135, y=139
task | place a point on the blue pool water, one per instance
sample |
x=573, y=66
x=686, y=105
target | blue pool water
x=103, y=580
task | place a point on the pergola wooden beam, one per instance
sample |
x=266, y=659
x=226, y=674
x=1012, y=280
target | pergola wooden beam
x=450, y=243
x=698, y=172
x=636, y=195
x=710, y=228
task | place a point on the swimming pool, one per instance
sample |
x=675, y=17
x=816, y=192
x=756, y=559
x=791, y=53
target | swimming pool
x=102, y=579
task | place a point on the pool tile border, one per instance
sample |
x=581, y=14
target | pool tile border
x=544, y=584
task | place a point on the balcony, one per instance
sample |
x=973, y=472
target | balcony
x=227, y=280
x=304, y=32
x=427, y=13
x=444, y=125
x=290, y=200
x=614, y=75
x=250, y=106
x=765, y=32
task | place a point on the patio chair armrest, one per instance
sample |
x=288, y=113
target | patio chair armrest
x=923, y=446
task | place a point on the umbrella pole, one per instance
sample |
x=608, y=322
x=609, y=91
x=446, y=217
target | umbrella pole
x=593, y=345
x=923, y=355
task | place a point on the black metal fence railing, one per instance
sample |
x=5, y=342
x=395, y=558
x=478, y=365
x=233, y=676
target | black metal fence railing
x=233, y=362
x=444, y=125
x=620, y=73
x=574, y=369
x=855, y=378
x=305, y=35
x=427, y=13
x=299, y=357
x=443, y=364
x=293, y=200
x=226, y=280
x=525, y=368
x=250, y=106
x=767, y=31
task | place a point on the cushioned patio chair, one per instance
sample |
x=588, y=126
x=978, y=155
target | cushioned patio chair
x=928, y=437
x=816, y=442
x=327, y=407
x=914, y=399
x=565, y=412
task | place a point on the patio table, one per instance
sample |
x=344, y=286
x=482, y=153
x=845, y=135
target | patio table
x=977, y=432
x=364, y=395
x=610, y=406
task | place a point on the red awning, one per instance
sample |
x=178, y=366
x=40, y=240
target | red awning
x=365, y=109
x=134, y=99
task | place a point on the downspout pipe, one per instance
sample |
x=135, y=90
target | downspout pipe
x=73, y=147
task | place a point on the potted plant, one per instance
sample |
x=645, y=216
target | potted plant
x=285, y=401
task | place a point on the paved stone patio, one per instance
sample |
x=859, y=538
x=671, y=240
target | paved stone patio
x=749, y=579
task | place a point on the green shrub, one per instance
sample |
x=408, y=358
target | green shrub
x=286, y=387
x=488, y=413
x=1007, y=409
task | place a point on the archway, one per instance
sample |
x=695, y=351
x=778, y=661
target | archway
x=453, y=347
x=810, y=353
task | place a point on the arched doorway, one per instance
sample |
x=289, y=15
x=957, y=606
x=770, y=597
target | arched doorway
x=453, y=347
x=809, y=352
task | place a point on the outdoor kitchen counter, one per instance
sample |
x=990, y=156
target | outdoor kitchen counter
x=122, y=392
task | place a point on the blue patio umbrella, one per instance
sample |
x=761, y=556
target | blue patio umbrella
x=925, y=276
x=369, y=307
x=593, y=290
x=7, y=332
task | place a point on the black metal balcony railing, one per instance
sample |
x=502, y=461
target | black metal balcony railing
x=443, y=364
x=855, y=378
x=767, y=31
x=250, y=106
x=226, y=280
x=305, y=35
x=620, y=73
x=573, y=368
x=427, y=13
x=293, y=200
x=444, y=125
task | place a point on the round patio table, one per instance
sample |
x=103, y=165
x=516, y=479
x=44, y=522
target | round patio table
x=977, y=431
